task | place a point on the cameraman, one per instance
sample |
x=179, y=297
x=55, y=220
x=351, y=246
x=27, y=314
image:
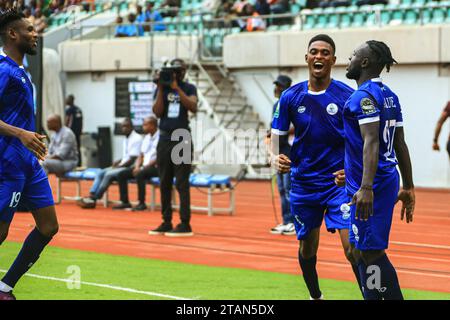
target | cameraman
x=174, y=99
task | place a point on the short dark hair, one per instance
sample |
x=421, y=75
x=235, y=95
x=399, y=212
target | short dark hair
x=325, y=38
x=6, y=18
x=382, y=53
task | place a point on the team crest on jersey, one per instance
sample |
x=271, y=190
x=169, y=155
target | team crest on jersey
x=345, y=209
x=23, y=80
x=355, y=232
x=332, y=109
x=301, y=109
x=367, y=106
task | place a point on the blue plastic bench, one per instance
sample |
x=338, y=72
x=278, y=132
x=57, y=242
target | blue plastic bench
x=212, y=183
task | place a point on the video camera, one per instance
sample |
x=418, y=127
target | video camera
x=166, y=75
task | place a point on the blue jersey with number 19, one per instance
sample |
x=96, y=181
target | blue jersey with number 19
x=372, y=102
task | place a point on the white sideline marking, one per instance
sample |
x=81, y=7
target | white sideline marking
x=148, y=293
x=424, y=245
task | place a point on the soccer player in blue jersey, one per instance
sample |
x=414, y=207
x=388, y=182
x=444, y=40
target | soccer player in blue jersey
x=374, y=145
x=315, y=109
x=22, y=178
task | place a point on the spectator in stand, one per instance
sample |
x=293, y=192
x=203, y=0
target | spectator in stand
x=238, y=7
x=130, y=30
x=262, y=7
x=144, y=167
x=120, y=28
x=371, y=2
x=224, y=10
x=40, y=22
x=152, y=15
x=62, y=152
x=74, y=120
x=254, y=21
x=171, y=8
x=141, y=18
x=311, y=4
x=279, y=6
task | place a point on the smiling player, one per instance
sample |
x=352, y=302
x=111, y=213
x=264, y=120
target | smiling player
x=22, y=178
x=315, y=108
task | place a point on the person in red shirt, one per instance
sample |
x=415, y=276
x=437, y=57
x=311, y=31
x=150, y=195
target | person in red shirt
x=445, y=114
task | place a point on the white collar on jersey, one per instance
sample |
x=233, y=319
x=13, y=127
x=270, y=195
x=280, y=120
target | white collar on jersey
x=377, y=79
x=2, y=53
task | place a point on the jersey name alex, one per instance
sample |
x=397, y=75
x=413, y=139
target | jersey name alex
x=372, y=102
x=318, y=147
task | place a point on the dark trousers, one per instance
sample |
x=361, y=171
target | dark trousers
x=141, y=179
x=167, y=171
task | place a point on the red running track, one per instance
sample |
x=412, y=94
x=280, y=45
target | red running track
x=420, y=251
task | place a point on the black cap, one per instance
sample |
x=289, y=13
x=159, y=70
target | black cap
x=284, y=81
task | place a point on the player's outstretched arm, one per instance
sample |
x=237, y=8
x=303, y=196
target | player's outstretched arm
x=31, y=140
x=406, y=195
x=364, y=197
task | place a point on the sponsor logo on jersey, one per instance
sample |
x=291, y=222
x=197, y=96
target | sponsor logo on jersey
x=301, y=109
x=367, y=106
x=276, y=114
x=23, y=80
x=332, y=109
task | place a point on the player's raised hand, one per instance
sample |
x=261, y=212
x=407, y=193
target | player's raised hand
x=34, y=142
x=408, y=199
x=281, y=163
x=339, y=178
x=364, y=203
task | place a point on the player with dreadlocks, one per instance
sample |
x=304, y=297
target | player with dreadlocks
x=374, y=146
x=22, y=178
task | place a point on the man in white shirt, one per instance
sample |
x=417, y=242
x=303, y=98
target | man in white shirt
x=131, y=150
x=144, y=167
x=63, y=151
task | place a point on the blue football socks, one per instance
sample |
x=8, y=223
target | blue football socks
x=308, y=267
x=28, y=255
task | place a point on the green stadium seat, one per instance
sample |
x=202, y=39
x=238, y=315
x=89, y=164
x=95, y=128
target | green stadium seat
x=309, y=22
x=425, y=16
x=385, y=16
x=333, y=21
x=420, y=2
x=302, y=3
x=438, y=15
x=371, y=19
x=397, y=17
x=358, y=19
x=448, y=15
x=345, y=20
x=407, y=2
x=235, y=30
x=410, y=17
x=285, y=27
x=273, y=28
x=295, y=8
x=322, y=20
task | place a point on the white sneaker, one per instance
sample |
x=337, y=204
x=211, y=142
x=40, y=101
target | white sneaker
x=321, y=298
x=289, y=229
x=278, y=229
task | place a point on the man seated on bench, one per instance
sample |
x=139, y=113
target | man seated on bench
x=131, y=150
x=63, y=151
x=144, y=167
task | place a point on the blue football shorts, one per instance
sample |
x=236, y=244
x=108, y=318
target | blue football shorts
x=373, y=234
x=26, y=184
x=311, y=205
